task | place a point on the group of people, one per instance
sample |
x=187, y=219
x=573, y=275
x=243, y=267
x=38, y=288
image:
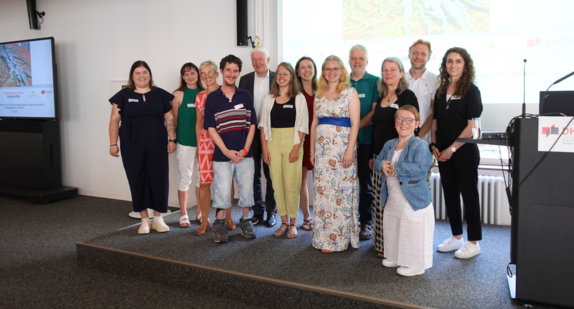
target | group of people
x=371, y=143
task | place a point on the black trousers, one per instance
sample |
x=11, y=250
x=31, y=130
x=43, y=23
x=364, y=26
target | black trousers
x=270, y=206
x=459, y=175
x=144, y=154
x=365, y=184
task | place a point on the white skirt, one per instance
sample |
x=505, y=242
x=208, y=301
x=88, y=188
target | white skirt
x=408, y=233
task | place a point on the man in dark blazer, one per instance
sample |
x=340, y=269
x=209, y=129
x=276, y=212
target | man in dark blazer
x=259, y=84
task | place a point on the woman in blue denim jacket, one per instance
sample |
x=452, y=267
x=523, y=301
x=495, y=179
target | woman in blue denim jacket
x=408, y=223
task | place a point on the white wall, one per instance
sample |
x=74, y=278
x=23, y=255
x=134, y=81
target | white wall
x=96, y=43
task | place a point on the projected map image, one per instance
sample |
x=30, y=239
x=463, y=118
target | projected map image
x=374, y=19
x=15, y=65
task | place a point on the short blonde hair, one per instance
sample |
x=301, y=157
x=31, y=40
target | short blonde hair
x=409, y=108
x=209, y=62
x=344, y=80
x=421, y=41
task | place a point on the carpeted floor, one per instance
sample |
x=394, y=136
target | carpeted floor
x=39, y=267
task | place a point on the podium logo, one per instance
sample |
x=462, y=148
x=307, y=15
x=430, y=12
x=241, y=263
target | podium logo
x=556, y=131
x=550, y=130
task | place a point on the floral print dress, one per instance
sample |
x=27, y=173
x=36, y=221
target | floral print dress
x=335, y=194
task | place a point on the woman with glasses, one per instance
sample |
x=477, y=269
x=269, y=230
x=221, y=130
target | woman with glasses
x=184, y=110
x=334, y=156
x=394, y=94
x=408, y=225
x=307, y=76
x=457, y=101
x=208, y=74
x=284, y=123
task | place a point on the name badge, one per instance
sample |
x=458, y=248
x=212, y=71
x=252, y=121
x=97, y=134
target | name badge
x=423, y=91
x=287, y=106
x=133, y=100
x=361, y=95
x=455, y=97
x=191, y=105
x=238, y=106
x=394, y=105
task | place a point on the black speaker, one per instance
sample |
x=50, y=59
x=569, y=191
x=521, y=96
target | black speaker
x=241, y=22
x=32, y=17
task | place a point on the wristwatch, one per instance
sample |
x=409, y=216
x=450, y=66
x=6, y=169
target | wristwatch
x=453, y=149
x=172, y=140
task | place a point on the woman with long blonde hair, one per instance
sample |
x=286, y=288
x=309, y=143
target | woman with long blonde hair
x=334, y=155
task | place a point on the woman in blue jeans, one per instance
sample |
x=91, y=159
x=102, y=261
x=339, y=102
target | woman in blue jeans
x=408, y=223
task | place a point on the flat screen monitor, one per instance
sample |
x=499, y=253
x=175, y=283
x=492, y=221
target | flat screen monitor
x=28, y=87
x=557, y=102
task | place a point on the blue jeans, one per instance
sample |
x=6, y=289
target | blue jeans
x=223, y=173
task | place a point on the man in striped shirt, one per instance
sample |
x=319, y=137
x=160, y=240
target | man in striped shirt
x=230, y=119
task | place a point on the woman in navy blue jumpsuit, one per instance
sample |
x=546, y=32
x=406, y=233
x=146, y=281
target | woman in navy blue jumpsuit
x=146, y=123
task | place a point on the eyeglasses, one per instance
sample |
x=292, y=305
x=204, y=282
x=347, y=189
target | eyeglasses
x=210, y=74
x=336, y=70
x=282, y=74
x=400, y=119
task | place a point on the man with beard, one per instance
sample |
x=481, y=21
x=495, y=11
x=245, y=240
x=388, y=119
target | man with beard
x=230, y=119
x=424, y=84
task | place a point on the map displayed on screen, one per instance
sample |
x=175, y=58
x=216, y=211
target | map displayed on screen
x=27, y=79
x=499, y=35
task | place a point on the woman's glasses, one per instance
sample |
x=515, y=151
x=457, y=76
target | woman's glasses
x=210, y=74
x=400, y=119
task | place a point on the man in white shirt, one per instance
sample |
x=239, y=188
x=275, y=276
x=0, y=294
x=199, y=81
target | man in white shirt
x=258, y=83
x=424, y=84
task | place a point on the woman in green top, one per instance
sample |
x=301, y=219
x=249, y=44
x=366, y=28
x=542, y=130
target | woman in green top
x=184, y=112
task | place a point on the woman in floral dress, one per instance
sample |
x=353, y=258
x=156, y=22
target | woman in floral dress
x=334, y=130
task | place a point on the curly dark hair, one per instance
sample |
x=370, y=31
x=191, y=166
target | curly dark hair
x=466, y=79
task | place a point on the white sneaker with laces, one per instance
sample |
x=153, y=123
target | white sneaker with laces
x=388, y=263
x=450, y=244
x=144, y=227
x=409, y=271
x=159, y=225
x=469, y=250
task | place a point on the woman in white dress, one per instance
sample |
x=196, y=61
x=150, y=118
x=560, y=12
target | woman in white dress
x=408, y=223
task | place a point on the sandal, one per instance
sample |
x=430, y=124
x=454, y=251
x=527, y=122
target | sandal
x=307, y=225
x=381, y=255
x=184, y=221
x=325, y=251
x=290, y=234
x=280, y=232
x=198, y=219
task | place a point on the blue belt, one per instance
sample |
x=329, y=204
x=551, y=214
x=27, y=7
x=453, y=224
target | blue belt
x=341, y=122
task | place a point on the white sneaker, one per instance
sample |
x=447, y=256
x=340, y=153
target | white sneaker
x=388, y=263
x=159, y=225
x=409, y=272
x=469, y=250
x=144, y=227
x=450, y=244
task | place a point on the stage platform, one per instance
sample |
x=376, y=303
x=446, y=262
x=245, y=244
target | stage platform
x=273, y=272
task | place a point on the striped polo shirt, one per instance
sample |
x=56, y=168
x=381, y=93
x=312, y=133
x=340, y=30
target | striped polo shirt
x=231, y=119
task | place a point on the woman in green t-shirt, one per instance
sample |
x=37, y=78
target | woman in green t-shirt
x=184, y=112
